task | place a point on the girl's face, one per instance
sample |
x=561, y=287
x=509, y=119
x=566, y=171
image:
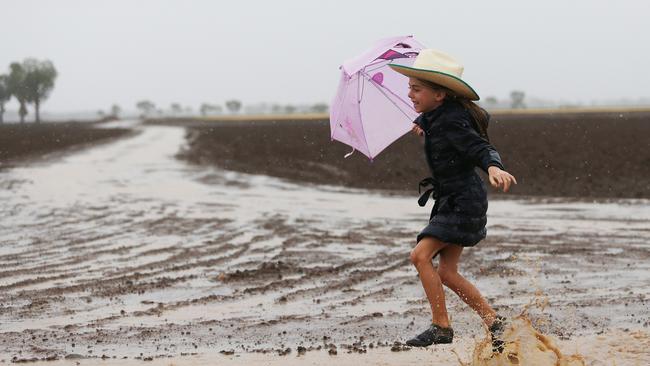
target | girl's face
x=424, y=98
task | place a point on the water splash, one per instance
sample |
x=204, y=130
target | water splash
x=524, y=345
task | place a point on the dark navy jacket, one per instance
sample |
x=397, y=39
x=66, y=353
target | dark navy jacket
x=452, y=146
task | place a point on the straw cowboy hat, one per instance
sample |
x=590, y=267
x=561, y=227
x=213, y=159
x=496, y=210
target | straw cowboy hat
x=440, y=68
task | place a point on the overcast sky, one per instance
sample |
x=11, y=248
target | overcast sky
x=288, y=51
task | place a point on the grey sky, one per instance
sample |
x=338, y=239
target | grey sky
x=287, y=51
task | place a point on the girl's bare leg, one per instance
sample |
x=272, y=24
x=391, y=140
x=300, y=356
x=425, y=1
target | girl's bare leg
x=448, y=272
x=421, y=257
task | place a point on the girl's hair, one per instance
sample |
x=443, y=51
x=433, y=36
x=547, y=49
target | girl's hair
x=479, y=115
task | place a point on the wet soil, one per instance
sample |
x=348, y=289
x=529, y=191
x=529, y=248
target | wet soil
x=554, y=154
x=124, y=252
x=32, y=140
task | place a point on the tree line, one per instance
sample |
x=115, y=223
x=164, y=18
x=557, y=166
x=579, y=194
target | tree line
x=148, y=108
x=30, y=82
x=516, y=101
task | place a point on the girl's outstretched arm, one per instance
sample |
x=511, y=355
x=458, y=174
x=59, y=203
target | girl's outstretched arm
x=466, y=140
x=500, y=178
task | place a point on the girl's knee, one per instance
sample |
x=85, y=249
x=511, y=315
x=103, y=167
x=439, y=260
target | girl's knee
x=425, y=250
x=417, y=257
x=447, y=275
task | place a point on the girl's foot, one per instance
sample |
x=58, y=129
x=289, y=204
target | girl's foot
x=433, y=335
x=496, y=331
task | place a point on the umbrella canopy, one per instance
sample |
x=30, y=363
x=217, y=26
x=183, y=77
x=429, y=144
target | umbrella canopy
x=371, y=108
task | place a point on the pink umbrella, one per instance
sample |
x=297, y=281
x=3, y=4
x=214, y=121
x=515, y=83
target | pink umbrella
x=371, y=108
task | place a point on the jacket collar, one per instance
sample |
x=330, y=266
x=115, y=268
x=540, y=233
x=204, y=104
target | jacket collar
x=425, y=119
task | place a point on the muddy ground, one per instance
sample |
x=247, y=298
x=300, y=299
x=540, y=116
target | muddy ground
x=122, y=251
x=30, y=140
x=554, y=154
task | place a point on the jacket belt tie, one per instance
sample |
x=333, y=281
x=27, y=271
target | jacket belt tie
x=434, y=191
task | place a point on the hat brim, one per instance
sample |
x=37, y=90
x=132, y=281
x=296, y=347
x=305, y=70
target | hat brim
x=449, y=81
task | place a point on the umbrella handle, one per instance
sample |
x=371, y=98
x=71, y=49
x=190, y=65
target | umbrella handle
x=350, y=153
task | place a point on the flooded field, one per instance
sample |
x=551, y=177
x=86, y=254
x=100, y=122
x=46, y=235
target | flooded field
x=122, y=251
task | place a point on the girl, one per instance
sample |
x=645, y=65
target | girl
x=456, y=141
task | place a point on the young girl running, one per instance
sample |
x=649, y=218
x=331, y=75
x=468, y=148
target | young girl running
x=456, y=141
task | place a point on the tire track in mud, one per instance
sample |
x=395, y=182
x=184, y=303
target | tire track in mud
x=102, y=284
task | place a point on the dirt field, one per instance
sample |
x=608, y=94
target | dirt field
x=35, y=140
x=122, y=253
x=554, y=154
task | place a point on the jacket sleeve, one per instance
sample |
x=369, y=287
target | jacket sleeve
x=464, y=138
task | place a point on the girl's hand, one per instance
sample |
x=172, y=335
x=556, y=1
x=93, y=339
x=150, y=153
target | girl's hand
x=417, y=130
x=500, y=178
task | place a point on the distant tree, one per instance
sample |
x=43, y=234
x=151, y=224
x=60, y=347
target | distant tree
x=206, y=109
x=319, y=108
x=491, y=102
x=146, y=107
x=5, y=95
x=176, y=108
x=517, y=99
x=116, y=111
x=276, y=108
x=101, y=113
x=38, y=82
x=188, y=109
x=16, y=84
x=289, y=109
x=233, y=105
